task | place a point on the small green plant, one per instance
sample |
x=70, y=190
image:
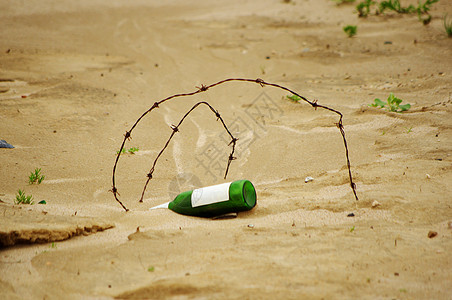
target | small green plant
x=350, y=30
x=294, y=98
x=131, y=150
x=53, y=245
x=151, y=269
x=448, y=25
x=423, y=9
x=394, y=5
x=363, y=8
x=21, y=198
x=392, y=104
x=352, y=229
x=408, y=130
x=36, y=177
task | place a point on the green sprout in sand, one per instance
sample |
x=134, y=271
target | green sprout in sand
x=392, y=104
x=294, y=98
x=36, y=177
x=350, y=30
x=131, y=150
x=448, y=26
x=21, y=198
x=363, y=7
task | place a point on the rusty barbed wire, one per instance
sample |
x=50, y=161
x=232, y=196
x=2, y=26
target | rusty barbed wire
x=175, y=129
x=204, y=88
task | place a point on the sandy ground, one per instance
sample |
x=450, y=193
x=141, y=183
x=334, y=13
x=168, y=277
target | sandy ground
x=75, y=75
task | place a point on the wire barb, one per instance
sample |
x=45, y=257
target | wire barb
x=314, y=104
x=203, y=88
x=174, y=128
x=233, y=141
x=260, y=81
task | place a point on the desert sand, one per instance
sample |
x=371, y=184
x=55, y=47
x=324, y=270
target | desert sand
x=76, y=75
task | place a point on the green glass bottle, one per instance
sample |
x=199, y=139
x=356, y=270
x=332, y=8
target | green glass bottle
x=214, y=200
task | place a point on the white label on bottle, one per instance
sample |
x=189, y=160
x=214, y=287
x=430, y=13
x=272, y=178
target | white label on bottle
x=210, y=194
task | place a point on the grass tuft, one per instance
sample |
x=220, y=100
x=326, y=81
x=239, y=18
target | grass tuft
x=422, y=9
x=363, y=8
x=21, y=198
x=448, y=25
x=350, y=30
x=36, y=176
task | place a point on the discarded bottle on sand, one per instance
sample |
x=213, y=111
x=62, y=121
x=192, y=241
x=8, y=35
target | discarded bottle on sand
x=214, y=200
